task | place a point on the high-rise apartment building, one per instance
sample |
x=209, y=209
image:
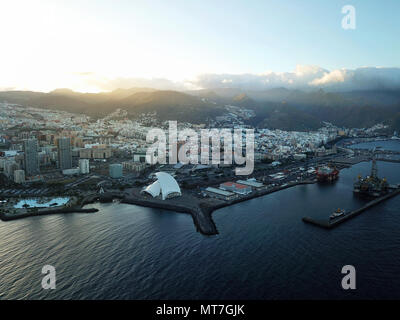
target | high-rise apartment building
x=31, y=157
x=64, y=153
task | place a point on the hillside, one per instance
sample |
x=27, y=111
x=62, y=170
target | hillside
x=274, y=108
x=169, y=105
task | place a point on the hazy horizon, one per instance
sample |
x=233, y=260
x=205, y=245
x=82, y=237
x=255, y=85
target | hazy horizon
x=100, y=46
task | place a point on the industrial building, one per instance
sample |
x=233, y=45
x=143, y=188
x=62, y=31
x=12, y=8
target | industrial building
x=220, y=194
x=235, y=187
x=252, y=183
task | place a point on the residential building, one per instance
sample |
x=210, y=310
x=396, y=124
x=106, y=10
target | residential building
x=31, y=158
x=64, y=153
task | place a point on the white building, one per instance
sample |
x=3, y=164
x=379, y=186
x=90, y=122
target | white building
x=165, y=185
x=70, y=172
x=84, y=166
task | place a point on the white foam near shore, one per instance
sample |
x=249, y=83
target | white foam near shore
x=36, y=203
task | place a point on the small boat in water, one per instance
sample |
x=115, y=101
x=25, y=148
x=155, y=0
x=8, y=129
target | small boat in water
x=337, y=213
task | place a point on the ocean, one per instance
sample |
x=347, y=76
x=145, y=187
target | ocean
x=263, y=250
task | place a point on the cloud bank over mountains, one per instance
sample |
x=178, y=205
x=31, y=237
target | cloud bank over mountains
x=306, y=77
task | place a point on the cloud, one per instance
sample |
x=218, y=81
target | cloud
x=307, y=77
x=370, y=78
x=109, y=84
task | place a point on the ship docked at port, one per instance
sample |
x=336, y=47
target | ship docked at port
x=372, y=185
x=327, y=173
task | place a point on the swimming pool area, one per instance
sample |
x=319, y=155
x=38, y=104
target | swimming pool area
x=41, y=203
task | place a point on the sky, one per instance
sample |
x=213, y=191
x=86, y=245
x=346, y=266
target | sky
x=101, y=45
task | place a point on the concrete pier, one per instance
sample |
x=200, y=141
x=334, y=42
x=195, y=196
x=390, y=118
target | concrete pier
x=185, y=204
x=200, y=209
x=329, y=224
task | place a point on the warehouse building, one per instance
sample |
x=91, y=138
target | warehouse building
x=220, y=194
x=252, y=183
x=235, y=187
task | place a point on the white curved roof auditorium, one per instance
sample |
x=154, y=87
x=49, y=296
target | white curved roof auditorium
x=165, y=184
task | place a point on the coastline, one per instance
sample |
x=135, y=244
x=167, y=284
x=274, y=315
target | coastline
x=15, y=216
x=201, y=211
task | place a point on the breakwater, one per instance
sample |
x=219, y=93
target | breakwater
x=201, y=211
x=327, y=224
x=201, y=218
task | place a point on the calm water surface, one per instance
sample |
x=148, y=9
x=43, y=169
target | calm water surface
x=263, y=251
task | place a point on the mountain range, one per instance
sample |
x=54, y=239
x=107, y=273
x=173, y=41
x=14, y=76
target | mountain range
x=278, y=108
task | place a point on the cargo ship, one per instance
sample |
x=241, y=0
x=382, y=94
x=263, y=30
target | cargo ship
x=327, y=173
x=337, y=213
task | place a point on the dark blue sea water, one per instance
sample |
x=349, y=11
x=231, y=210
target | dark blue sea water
x=384, y=145
x=263, y=251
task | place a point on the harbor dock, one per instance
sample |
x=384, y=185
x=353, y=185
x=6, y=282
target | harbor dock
x=327, y=224
x=200, y=209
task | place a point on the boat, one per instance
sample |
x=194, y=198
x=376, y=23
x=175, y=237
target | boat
x=327, y=173
x=337, y=213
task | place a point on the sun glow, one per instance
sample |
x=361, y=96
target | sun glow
x=51, y=46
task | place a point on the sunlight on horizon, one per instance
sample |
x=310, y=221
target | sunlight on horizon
x=94, y=46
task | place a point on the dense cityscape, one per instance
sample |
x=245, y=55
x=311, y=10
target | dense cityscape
x=200, y=159
x=51, y=155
